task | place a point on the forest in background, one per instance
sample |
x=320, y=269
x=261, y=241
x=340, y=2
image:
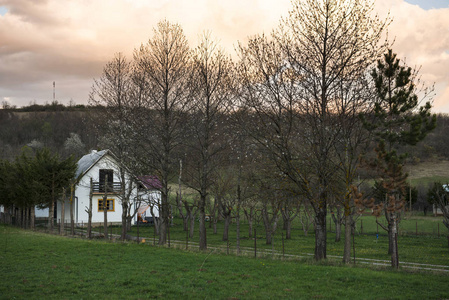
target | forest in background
x=53, y=126
x=65, y=130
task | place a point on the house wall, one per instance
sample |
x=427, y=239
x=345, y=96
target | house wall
x=82, y=190
x=151, y=198
x=41, y=212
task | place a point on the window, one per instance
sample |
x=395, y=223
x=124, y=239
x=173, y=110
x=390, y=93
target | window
x=110, y=175
x=110, y=205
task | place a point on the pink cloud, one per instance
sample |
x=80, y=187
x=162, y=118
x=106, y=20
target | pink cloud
x=70, y=41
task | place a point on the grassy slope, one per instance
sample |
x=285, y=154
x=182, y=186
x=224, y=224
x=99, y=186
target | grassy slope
x=427, y=172
x=36, y=265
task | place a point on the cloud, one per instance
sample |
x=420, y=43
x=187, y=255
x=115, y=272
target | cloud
x=70, y=41
x=421, y=40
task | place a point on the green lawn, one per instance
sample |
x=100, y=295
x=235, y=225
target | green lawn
x=40, y=266
x=426, y=247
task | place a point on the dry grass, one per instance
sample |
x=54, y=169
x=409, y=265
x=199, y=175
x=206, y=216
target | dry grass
x=429, y=169
x=428, y=172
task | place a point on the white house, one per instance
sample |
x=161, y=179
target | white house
x=436, y=210
x=100, y=165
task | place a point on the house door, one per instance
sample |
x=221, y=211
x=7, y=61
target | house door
x=103, y=173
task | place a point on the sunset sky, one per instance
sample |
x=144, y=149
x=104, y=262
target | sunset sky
x=69, y=41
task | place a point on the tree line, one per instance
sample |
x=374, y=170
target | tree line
x=293, y=119
x=36, y=178
x=285, y=130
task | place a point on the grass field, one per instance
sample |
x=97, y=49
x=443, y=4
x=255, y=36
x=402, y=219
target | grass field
x=41, y=266
x=426, y=247
x=428, y=171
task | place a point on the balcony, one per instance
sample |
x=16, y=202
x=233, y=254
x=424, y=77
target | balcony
x=100, y=187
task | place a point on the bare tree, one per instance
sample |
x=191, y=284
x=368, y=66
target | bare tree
x=290, y=209
x=223, y=191
x=113, y=91
x=211, y=92
x=438, y=196
x=162, y=73
x=267, y=92
x=293, y=81
x=306, y=217
x=271, y=206
x=328, y=43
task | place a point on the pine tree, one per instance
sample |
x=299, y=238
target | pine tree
x=397, y=120
x=51, y=174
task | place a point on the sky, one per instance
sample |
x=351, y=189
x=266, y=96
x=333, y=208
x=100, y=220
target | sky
x=69, y=41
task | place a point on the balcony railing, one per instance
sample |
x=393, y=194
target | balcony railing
x=100, y=187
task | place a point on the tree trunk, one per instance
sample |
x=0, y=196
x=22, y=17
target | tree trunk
x=32, y=217
x=227, y=222
x=105, y=207
x=347, y=245
x=390, y=237
x=61, y=226
x=239, y=200
x=89, y=212
x=337, y=231
x=29, y=217
x=184, y=217
x=289, y=230
x=394, y=252
x=215, y=225
x=268, y=226
x=128, y=223
x=320, y=234
x=268, y=234
x=15, y=216
x=72, y=220
x=156, y=221
x=203, y=238
x=337, y=219
x=124, y=219
x=18, y=217
x=105, y=214
x=163, y=222
x=25, y=218
x=179, y=198
x=7, y=215
x=51, y=209
x=249, y=218
x=192, y=225
x=51, y=213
